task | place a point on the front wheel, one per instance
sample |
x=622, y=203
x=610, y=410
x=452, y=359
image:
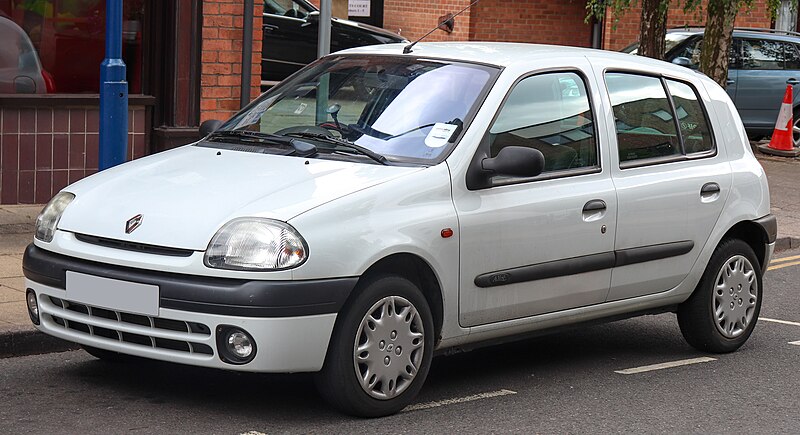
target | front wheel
x=380, y=351
x=723, y=310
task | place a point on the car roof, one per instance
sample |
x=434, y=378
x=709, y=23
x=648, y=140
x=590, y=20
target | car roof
x=770, y=34
x=504, y=54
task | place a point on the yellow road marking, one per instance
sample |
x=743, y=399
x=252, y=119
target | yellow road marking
x=780, y=260
x=782, y=265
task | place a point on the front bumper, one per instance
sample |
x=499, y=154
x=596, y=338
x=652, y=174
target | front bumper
x=290, y=321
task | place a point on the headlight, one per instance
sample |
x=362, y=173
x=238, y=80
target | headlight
x=47, y=221
x=256, y=244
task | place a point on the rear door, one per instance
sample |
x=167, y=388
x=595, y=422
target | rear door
x=766, y=68
x=671, y=181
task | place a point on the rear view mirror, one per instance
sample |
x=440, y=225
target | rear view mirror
x=515, y=162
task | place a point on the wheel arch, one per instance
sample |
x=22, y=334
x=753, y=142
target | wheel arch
x=753, y=234
x=418, y=271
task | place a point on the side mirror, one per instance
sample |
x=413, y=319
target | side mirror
x=682, y=61
x=513, y=161
x=516, y=162
x=209, y=126
x=311, y=18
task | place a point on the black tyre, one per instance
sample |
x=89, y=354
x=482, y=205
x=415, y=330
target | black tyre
x=380, y=351
x=723, y=310
x=107, y=355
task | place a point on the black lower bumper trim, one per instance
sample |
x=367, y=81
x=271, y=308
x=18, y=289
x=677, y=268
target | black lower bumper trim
x=224, y=296
x=770, y=225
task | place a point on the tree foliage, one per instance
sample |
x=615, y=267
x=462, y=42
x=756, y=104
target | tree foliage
x=719, y=18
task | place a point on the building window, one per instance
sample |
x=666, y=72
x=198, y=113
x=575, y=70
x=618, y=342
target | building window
x=68, y=41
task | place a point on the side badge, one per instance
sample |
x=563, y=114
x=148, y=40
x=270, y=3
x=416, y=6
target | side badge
x=133, y=223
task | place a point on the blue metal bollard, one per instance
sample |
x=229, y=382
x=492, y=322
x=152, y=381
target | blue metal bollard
x=113, y=93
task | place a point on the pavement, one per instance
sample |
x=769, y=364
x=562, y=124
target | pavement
x=18, y=337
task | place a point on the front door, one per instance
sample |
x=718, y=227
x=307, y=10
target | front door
x=537, y=245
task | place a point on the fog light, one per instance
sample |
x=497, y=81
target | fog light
x=234, y=345
x=239, y=343
x=33, y=306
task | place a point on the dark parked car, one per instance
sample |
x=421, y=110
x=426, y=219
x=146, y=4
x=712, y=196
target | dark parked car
x=291, y=28
x=762, y=63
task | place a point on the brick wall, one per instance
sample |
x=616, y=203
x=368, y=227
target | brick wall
x=221, y=76
x=545, y=22
x=42, y=149
x=414, y=18
x=627, y=29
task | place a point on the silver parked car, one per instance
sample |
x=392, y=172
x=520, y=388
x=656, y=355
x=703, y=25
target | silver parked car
x=762, y=63
x=477, y=192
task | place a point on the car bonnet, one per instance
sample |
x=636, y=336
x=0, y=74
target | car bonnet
x=185, y=195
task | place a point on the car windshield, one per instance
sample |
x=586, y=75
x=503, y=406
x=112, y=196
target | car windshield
x=403, y=109
x=670, y=41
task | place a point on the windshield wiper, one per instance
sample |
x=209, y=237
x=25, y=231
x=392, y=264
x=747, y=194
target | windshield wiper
x=301, y=148
x=345, y=143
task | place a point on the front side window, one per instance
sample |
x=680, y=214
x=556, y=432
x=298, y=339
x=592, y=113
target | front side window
x=551, y=113
x=405, y=109
x=643, y=116
x=286, y=8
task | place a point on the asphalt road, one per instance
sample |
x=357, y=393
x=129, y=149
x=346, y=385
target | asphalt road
x=563, y=383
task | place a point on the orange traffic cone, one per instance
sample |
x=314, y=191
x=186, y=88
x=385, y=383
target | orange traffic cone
x=781, y=143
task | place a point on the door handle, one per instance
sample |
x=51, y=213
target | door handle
x=594, y=205
x=730, y=81
x=269, y=27
x=793, y=81
x=709, y=189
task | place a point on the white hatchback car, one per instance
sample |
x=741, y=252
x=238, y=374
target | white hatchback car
x=379, y=206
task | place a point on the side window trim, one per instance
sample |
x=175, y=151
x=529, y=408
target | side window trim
x=666, y=159
x=699, y=154
x=483, y=149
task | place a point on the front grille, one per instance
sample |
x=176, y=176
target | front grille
x=152, y=332
x=132, y=246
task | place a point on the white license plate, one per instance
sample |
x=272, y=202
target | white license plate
x=113, y=294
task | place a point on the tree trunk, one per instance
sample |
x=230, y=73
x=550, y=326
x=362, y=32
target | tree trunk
x=717, y=39
x=653, y=28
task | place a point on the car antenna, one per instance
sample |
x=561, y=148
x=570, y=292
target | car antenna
x=407, y=48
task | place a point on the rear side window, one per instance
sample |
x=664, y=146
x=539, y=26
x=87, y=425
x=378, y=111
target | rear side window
x=643, y=116
x=760, y=54
x=692, y=120
x=549, y=112
x=657, y=119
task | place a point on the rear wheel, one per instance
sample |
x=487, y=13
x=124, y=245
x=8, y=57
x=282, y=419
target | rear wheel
x=380, y=351
x=723, y=310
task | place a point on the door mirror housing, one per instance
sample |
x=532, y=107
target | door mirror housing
x=209, y=126
x=512, y=161
x=311, y=18
x=682, y=61
x=515, y=162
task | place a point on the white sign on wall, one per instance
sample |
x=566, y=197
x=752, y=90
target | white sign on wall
x=358, y=8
